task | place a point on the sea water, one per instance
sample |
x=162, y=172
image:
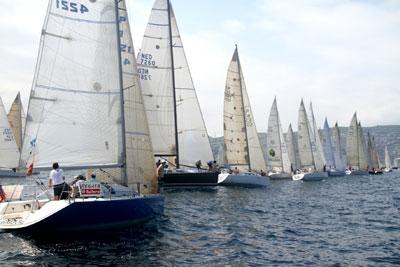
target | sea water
x=341, y=221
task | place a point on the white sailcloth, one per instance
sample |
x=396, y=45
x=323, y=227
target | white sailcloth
x=319, y=155
x=15, y=118
x=239, y=123
x=388, y=164
x=327, y=145
x=337, y=151
x=375, y=157
x=9, y=154
x=307, y=149
x=74, y=113
x=278, y=157
x=364, y=159
x=352, y=143
x=140, y=166
x=292, y=148
x=155, y=70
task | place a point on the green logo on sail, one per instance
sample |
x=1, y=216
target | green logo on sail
x=272, y=152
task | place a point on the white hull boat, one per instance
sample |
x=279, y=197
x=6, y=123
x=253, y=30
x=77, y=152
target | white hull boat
x=310, y=176
x=243, y=179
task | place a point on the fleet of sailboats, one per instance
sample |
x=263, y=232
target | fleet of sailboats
x=95, y=105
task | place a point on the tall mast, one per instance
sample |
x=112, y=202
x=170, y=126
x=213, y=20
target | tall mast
x=173, y=84
x=244, y=114
x=123, y=154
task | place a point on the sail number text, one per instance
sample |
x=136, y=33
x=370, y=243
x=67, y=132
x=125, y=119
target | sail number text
x=71, y=6
x=8, y=135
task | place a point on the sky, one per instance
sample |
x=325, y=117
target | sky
x=343, y=55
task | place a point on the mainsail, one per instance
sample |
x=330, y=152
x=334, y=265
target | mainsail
x=241, y=143
x=337, y=148
x=292, y=148
x=278, y=157
x=364, y=159
x=305, y=141
x=170, y=98
x=352, y=143
x=9, y=154
x=327, y=144
x=74, y=114
x=16, y=119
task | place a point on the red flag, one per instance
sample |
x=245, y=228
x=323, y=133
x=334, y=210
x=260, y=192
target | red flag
x=30, y=170
x=2, y=195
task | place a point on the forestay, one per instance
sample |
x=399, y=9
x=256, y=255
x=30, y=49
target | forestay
x=74, y=113
x=9, y=154
x=239, y=123
x=278, y=157
x=155, y=71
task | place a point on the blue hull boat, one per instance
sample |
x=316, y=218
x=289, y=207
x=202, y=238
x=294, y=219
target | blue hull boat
x=79, y=215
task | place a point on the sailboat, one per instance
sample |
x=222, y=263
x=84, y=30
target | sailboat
x=329, y=152
x=292, y=149
x=311, y=162
x=9, y=154
x=83, y=107
x=278, y=156
x=338, y=155
x=355, y=149
x=242, y=148
x=16, y=118
x=373, y=154
x=388, y=165
x=176, y=123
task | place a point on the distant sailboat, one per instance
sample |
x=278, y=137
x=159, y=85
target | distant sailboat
x=9, y=154
x=373, y=154
x=278, y=157
x=292, y=149
x=332, y=166
x=84, y=83
x=242, y=148
x=355, y=149
x=16, y=118
x=177, y=128
x=388, y=165
x=311, y=162
x=337, y=149
x=320, y=157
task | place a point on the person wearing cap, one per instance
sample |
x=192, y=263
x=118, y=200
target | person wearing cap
x=76, y=183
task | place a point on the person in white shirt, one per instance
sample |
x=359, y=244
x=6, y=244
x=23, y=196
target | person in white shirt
x=57, y=181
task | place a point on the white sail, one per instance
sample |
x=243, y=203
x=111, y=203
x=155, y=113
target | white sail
x=372, y=152
x=388, y=164
x=327, y=145
x=140, y=166
x=74, y=113
x=15, y=118
x=292, y=149
x=364, y=159
x=9, y=154
x=319, y=155
x=306, y=143
x=375, y=157
x=337, y=148
x=155, y=70
x=278, y=157
x=239, y=123
x=352, y=143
